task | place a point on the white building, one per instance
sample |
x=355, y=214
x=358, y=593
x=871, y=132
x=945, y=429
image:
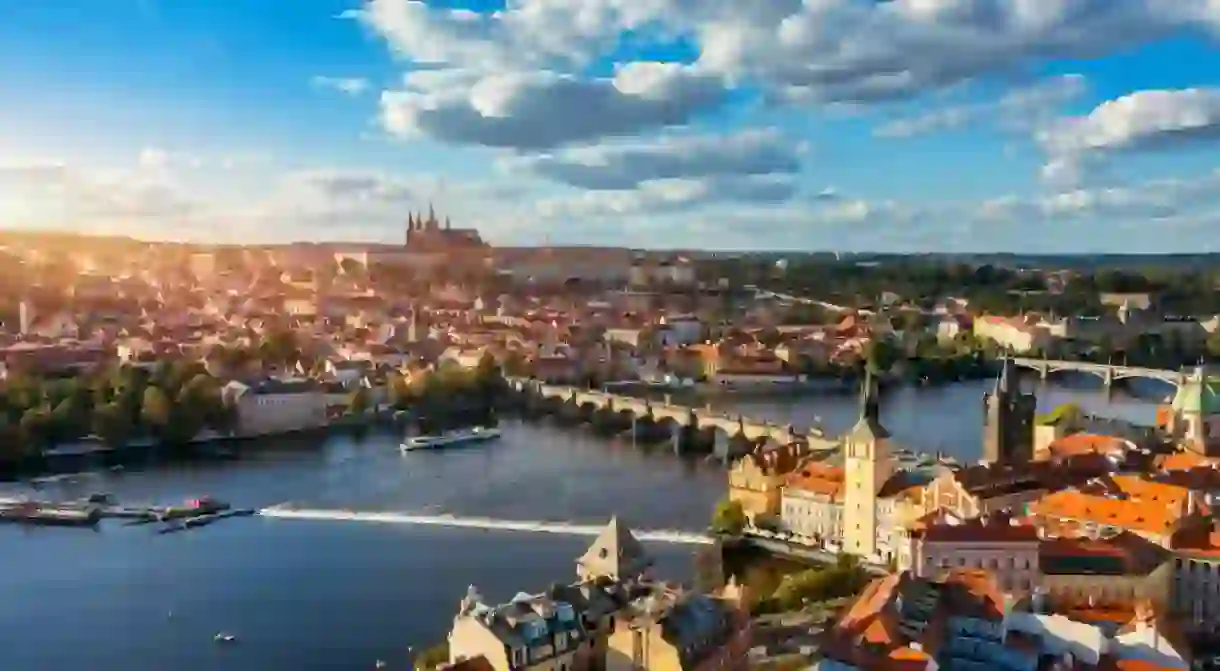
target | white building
x=277, y=406
x=811, y=504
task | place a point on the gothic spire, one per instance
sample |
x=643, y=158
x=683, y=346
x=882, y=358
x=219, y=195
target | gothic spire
x=869, y=428
x=1003, y=382
x=870, y=407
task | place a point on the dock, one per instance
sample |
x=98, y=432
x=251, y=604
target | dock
x=90, y=511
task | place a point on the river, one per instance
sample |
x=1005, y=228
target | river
x=307, y=595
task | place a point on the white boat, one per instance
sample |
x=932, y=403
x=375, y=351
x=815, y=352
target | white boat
x=475, y=434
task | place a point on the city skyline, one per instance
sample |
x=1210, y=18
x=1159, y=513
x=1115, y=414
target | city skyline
x=901, y=126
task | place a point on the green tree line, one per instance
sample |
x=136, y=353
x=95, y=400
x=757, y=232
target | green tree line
x=169, y=403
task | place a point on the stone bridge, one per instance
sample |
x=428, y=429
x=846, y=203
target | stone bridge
x=1108, y=373
x=680, y=418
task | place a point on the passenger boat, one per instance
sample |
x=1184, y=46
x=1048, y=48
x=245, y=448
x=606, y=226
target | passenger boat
x=477, y=434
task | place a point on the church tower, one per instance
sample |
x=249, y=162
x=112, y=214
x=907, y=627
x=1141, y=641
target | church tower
x=1008, y=420
x=868, y=464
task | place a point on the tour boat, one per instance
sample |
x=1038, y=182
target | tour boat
x=475, y=434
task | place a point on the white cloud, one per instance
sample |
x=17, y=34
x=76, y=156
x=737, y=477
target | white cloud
x=662, y=196
x=155, y=158
x=517, y=77
x=1157, y=199
x=352, y=86
x=541, y=110
x=1140, y=120
x=1022, y=108
x=626, y=165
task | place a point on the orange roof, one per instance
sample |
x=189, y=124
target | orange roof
x=1150, y=492
x=908, y=654
x=1180, y=461
x=1087, y=443
x=818, y=479
x=1109, y=663
x=1154, y=509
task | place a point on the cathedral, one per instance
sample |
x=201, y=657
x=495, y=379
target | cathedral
x=428, y=235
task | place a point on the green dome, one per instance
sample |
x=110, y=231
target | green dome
x=1199, y=395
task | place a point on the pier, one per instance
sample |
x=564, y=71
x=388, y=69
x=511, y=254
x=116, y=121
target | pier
x=454, y=521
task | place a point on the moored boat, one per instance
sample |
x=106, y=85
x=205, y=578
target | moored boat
x=477, y=434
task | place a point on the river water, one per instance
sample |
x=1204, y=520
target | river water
x=307, y=595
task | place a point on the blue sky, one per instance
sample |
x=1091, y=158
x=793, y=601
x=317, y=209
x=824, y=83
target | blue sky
x=909, y=125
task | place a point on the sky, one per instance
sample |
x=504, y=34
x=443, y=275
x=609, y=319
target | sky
x=1029, y=126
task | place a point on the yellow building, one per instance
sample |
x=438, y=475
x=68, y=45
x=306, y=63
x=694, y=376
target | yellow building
x=756, y=481
x=665, y=629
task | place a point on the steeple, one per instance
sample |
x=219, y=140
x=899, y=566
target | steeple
x=615, y=554
x=448, y=225
x=1003, y=382
x=870, y=406
x=431, y=218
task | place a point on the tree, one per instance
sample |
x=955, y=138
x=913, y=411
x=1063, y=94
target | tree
x=112, y=424
x=359, y=401
x=400, y=392
x=33, y=428
x=880, y=355
x=729, y=517
x=155, y=409
x=515, y=365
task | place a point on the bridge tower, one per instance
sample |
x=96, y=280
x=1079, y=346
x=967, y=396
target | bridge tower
x=869, y=465
x=1008, y=419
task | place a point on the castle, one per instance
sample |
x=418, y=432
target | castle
x=427, y=235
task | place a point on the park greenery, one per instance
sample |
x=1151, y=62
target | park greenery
x=433, y=657
x=729, y=518
x=450, y=395
x=842, y=579
x=996, y=287
x=167, y=403
x=1064, y=412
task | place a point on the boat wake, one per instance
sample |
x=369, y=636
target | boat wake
x=531, y=526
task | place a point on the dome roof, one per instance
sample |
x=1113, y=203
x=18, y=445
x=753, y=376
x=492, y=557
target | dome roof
x=1200, y=394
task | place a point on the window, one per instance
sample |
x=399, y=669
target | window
x=561, y=640
x=518, y=657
